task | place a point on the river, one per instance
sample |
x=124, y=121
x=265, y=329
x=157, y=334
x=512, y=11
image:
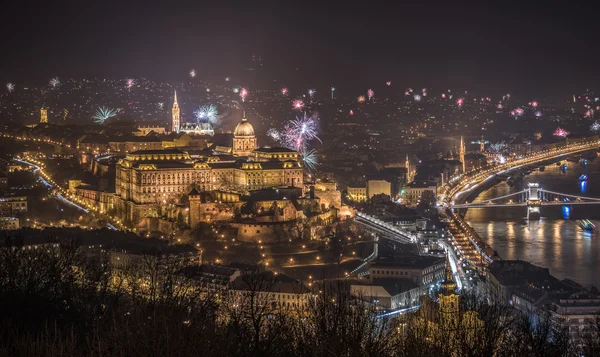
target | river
x=554, y=241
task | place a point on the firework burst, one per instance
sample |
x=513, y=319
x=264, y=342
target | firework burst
x=595, y=127
x=284, y=91
x=54, y=82
x=298, y=104
x=274, y=134
x=417, y=97
x=296, y=135
x=236, y=90
x=561, y=133
x=243, y=94
x=10, y=87
x=370, y=93
x=388, y=83
x=130, y=83
x=192, y=73
x=361, y=99
x=103, y=114
x=497, y=148
x=460, y=102
x=310, y=159
x=206, y=114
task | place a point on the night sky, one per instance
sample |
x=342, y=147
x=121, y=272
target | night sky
x=499, y=48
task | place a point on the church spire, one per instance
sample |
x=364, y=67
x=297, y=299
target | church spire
x=175, y=122
x=244, y=115
x=462, y=155
x=448, y=285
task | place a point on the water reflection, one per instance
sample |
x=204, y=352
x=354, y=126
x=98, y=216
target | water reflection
x=555, y=241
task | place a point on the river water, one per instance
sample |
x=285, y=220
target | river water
x=555, y=241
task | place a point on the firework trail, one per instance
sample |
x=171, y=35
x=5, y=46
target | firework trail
x=103, y=114
x=332, y=90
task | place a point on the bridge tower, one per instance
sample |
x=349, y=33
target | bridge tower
x=533, y=201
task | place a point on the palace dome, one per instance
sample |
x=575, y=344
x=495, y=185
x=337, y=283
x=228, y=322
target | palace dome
x=244, y=128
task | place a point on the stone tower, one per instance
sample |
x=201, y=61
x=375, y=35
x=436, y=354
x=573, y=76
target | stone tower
x=43, y=115
x=175, y=116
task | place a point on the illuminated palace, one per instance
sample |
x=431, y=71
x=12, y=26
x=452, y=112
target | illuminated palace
x=147, y=179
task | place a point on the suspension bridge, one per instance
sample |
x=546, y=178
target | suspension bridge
x=533, y=197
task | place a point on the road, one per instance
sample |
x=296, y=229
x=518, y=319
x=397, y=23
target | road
x=48, y=182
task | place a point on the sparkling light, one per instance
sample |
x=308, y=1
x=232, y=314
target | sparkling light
x=10, y=87
x=370, y=93
x=192, y=73
x=595, y=127
x=417, y=97
x=388, y=83
x=284, y=91
x=361, y=99
x=460, y=102
x=236, y=90
x=130, y=82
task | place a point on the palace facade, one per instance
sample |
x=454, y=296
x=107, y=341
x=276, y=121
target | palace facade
x=147, y=179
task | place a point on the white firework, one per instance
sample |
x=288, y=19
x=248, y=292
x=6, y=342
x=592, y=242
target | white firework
x=103, y=114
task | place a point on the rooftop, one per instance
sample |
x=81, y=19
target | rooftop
x=411, y=262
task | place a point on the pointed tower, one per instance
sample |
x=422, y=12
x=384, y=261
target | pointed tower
x=462, y=155
x=407, y=166
x=175, y=116
x=449, y=308
x=43, y=115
